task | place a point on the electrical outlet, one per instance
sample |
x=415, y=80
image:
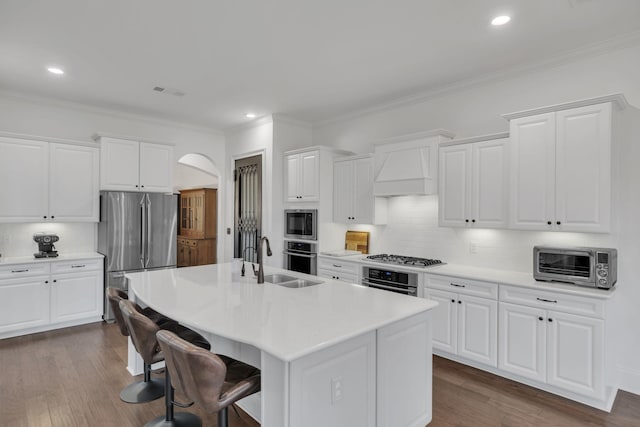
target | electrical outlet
x=473, y=247
x=336, y=390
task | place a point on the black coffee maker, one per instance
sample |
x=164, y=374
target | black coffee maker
x=45, y=245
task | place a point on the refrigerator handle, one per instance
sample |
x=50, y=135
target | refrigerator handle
x=148, y=227
x=143, y=229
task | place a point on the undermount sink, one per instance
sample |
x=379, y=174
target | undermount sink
x=289, y=281
x=278, y=278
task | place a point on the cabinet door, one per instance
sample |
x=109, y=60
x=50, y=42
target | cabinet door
x=532, y=172
x=74, y=190
x=24, y=175
x=76, y=296
x=363, y=191
x=24, y=303
x=445, y=320
x=292, y=176
x=455, y=185
x=478, y=329
x=156, y=167
x=309, y=179
x=342, y=192
x=119, y=164
x=489, y=184
x=583, y=168
x=576, y=354
x=522, y=341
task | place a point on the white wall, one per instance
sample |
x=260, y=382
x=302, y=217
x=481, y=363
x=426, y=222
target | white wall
x=412, y=228
x=49, y=118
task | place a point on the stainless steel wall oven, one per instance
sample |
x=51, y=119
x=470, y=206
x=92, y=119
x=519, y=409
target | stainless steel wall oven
x=301, y=257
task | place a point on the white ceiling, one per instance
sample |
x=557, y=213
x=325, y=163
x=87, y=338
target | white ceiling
x=312, y=60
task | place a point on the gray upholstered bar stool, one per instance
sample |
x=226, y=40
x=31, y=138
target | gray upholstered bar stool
x=148, y=389
x=213, y=382
x=143, y=335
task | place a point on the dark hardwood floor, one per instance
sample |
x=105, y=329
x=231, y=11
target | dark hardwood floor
x=72, y=377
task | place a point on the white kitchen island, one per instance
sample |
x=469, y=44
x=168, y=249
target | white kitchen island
x=332, y=354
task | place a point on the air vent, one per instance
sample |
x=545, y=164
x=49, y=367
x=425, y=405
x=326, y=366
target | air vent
x=168, y=91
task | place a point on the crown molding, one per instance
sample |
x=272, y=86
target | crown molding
x=617, y=99
x=490, y=137
x=78, y=106
x=415, y=136
x=567, y=57
x=47, y=139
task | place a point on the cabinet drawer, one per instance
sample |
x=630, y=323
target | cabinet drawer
x=21, y=270
x=345, y=277
x=338, y=266
x=462, y=286
x=553, y=301
x=76, y=266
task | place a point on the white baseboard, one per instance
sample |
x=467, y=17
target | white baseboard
x=629, y=380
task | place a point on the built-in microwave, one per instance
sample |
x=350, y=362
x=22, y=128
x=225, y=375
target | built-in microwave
x=595, y=267
x=301, y=224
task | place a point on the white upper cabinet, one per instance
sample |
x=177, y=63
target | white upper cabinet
x=302, y=181
x=127, y=165
x=48, y=181
x=561, y=169
x=353, y=200
x=473, y=183
x=74, y=193
x=24, y=189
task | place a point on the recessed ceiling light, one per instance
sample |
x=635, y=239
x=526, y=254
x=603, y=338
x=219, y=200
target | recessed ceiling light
x=55, y=70
x=250, y=116
x=500, y=20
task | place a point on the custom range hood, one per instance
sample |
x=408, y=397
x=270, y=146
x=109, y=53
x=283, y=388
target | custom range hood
x=408, y=164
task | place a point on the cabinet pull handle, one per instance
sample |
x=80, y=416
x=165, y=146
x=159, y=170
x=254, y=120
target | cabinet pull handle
x=78, y=266
x=458, y=286
x=558, y=222
x=20, y=271
x=336, y=265
x=547, y=300
x=548, y=222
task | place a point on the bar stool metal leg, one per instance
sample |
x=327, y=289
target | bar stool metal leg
x=171, y=419
x=143, y=391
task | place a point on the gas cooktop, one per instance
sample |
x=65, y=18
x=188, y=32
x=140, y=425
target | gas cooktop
x=405, y=260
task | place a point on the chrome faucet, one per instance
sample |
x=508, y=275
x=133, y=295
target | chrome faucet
x=260, y=259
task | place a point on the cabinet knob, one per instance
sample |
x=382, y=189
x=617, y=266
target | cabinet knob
x=52, y=217
x=459, y=302
x=473, y=220
x=55, y=281
x=142, y=186
x=558, y=222
x=540, y=318
x=136, y=185
x=46, y=281
x=453, y=301
x=466, y=220
x=548, y=222
x=45, y=217
x=550, y=320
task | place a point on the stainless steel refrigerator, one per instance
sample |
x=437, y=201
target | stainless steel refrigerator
x=137, y=232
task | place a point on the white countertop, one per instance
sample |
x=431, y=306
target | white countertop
x=28, y=259
x=287, y=323
x=516, y=278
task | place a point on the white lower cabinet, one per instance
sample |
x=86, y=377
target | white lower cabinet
x=546, y=338
x=560, y=349
x=47, y=295
x=24, y=303
x=331, y=268
x=463, y=324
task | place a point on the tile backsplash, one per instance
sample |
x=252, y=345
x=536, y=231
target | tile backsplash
x=17, y=239
x=412, y=229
